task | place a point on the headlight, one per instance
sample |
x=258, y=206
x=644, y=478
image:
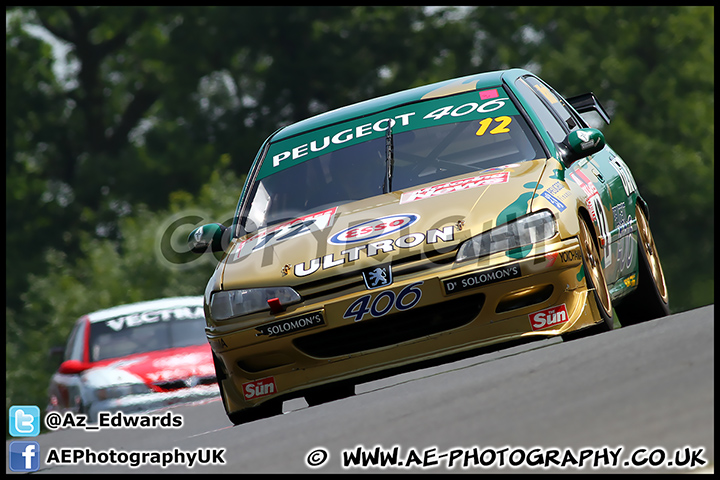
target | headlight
x=234, y=303
x=526, y=230
x=119, y=391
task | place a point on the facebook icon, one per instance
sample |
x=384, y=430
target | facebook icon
x=24, y=456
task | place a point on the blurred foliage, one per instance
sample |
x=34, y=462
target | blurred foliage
x=112, y=272
x=156, y=113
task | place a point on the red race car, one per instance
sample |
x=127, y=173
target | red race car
x=134, y=358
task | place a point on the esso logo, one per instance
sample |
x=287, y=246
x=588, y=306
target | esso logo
x=374, y=229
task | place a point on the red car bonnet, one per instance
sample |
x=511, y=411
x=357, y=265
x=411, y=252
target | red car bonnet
x=165, y=365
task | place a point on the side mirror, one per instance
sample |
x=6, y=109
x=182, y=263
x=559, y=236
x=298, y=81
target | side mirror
x=56, y=351
x=71, y=367
x=55, y=356
x=214, y=237
x=581, y=143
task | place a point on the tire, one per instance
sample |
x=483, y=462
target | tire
x=596, y=283
x=650, y=298
x=264, y=410
x=329, y=393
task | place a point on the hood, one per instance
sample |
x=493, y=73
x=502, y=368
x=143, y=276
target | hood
x=155, y=369
x=427, y=219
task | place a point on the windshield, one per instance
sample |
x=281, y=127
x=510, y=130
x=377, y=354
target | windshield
x=458, y=139
x=147, y=332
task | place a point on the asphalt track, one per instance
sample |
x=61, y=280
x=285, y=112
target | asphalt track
x=646, y=390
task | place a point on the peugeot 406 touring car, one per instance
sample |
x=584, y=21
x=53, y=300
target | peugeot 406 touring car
x=435, y=220
x=134, y=358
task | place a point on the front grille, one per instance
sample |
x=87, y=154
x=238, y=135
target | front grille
x=391, y=329
x=402, y=266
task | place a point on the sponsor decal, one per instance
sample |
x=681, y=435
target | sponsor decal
x=291, y=325
x=625, y=244
x=548, y=317
x=488, y=94
x=466, y=106
x=198, y=234
x=480, y=279
x=198, y=366
x=279, y=233
x=377, y=277
x=137, y=319
x=455, y=186
x=586, y=141
x=564, y=257
x=597, y=212
x=373, y=229
x=559, y=190
x=259, y=388
x=584, y=182
x=509, y=166
x=554, y=201
x=570, y=256
x=352, y=254
x=341, y=137
x=382, y=303
x=181, y=361
x=625, y=176
x=550, y=258
x=622, y=222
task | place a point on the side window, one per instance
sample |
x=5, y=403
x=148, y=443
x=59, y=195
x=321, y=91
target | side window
x=557, y=103
x=552, y=124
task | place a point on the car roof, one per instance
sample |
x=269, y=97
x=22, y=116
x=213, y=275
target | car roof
x=159, y=304
x=435, y=90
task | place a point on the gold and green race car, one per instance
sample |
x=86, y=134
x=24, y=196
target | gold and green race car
x=433, y=221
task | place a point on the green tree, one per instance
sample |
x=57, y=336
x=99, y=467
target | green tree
x=157, y=94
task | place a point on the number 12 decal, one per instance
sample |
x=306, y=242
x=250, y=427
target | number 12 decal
x=502, y=128
x=384, y=302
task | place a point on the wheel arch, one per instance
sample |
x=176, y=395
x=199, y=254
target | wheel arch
x=585, y=216
x=643, y=206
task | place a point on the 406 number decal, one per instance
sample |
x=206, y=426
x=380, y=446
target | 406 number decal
x=383, y=302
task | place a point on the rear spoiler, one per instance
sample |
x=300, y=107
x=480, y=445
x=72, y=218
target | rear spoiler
x=588, y=103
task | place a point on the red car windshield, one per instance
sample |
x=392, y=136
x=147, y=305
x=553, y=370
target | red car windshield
x=147, y=332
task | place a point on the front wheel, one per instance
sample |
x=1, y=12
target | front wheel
x=650, y=299
x=596, y=283
x=268, y=409
x=329, y=393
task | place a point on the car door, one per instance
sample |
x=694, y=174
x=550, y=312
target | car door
x=593, y=174
x=622, y=194
x=619, y=184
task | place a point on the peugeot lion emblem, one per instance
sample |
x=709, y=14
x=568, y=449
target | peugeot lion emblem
x=377, y=277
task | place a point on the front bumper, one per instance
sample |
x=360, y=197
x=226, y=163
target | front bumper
x=347, y=331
